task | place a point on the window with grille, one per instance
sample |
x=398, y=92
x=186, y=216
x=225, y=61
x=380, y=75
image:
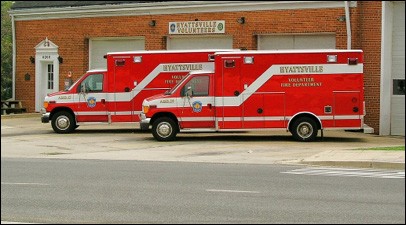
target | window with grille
x=50, y=76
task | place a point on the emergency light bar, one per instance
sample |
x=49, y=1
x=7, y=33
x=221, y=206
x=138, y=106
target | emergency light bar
x=331, y=58
x=137, y=59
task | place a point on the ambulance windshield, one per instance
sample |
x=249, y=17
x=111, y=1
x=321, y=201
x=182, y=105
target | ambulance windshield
x=171, y=91
x=74, y=84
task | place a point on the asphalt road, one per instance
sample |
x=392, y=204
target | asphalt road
x=128, y=191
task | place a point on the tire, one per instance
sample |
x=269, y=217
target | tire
x=63, y=122
x=164, y=129
x=304, y=129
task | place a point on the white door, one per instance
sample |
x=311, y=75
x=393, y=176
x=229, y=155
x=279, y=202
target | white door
x=99, y=47
x=398, y=70
x=49, y=78
x=312, y=41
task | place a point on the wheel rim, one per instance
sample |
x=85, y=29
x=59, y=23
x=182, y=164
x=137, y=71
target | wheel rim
x=304, y=130
x=62, y=123
x=164, y=129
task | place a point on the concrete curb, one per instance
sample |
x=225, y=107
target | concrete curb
x=22, y=115
x=357, y=164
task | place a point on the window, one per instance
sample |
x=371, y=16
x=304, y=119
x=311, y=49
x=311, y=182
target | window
x=199, y=86
x=398, y=87
x=93, y=83
x=50, y=75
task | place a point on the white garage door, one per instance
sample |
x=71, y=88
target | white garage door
x=199, y=42
x=99, y=47
x=313, y=41
x=398, y=70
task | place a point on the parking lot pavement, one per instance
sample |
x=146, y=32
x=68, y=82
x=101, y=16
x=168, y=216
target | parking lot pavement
x=25, y=136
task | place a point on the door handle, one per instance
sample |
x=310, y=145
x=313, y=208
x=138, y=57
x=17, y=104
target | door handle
x=209, y=105
x=103, y=101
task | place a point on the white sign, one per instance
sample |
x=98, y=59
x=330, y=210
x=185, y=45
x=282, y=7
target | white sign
x=197, y=27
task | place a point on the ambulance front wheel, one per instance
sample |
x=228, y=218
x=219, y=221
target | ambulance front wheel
x=164, y=129
x=63, y=122
x=304, y=129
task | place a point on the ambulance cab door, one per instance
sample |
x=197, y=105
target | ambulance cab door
x=91, y=101
x=196, y=105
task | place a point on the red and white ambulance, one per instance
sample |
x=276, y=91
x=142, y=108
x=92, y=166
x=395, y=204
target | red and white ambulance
x=301, y=91
x=116, y=94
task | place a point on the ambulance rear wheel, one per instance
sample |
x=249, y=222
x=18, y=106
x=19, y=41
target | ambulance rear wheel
x=164, y=129
x=304, y=129
x=63, y=122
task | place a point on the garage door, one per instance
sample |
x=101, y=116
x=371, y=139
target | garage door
x=99, y=47
x=313, y=41
x=398, y=70
x=199, y=42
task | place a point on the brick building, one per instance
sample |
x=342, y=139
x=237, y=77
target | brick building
x=53, y=39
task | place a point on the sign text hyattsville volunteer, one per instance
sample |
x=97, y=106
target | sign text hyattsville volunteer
x=197, y=27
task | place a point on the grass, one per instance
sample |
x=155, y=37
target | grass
x=392, y=148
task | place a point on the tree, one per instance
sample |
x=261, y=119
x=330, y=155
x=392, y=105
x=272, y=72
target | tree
x=6, y=51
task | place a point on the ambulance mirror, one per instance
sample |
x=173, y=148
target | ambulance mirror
x=189, y=91
x=83, y=88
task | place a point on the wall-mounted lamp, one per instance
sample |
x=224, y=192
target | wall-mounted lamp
x=32, y=59
x=60, y=59
x=241, y=20
x=341, y=18
x=152, y=23
x=27, y=77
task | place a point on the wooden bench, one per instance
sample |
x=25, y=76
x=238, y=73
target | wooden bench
x=12, y=106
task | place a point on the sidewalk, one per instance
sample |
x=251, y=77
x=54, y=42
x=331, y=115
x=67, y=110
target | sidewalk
x=125, y=142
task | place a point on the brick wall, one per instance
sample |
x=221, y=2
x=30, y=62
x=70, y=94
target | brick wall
x=72, y=37
x=369, y=40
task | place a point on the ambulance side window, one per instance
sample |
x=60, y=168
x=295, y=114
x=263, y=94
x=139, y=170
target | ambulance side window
x=92, y=83
x=199, y=86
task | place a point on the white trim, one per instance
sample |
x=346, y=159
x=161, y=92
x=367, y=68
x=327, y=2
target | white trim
x=143, y=52
x=264, y=118
x=292, y=51
x=386, y=68
x=91, y=113
x=162, y=8
x=348, y=23
x=128, y=96
x=45, y=54
x=276, y=70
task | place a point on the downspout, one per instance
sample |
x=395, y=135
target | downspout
x=348, y=23
x=13, y=90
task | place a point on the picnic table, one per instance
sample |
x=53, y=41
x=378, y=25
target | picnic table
x=12, y=106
